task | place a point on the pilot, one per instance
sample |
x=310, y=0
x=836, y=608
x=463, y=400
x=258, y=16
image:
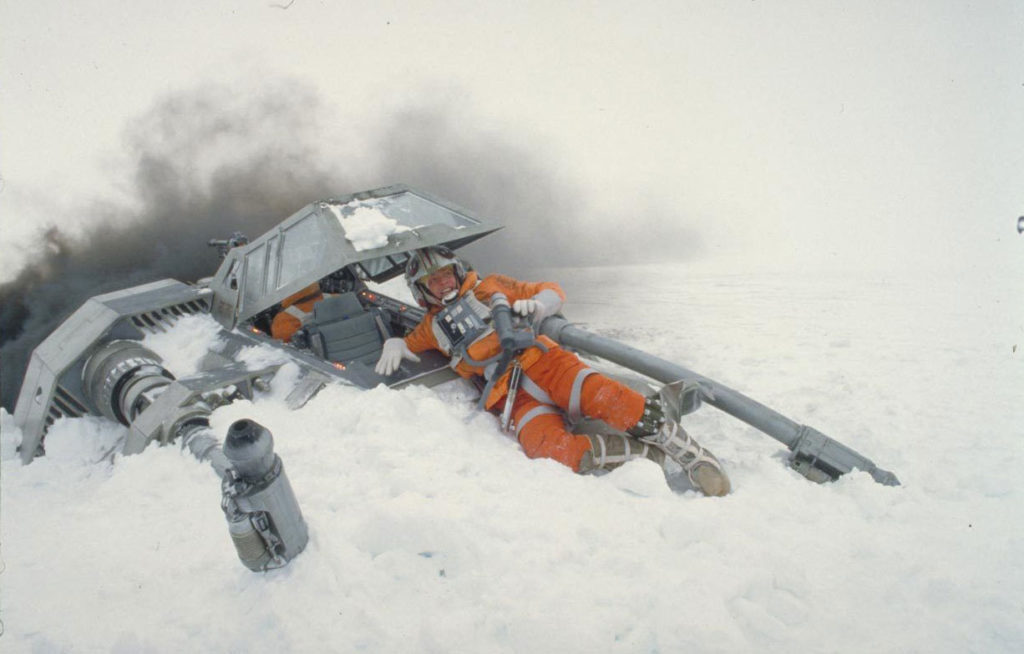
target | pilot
x=296, y=311
x=553, y=383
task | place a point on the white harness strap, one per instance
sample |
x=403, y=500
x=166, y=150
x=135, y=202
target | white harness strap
x=575, y=413
x=533, y=413
x=628, y=454
x=604, y=451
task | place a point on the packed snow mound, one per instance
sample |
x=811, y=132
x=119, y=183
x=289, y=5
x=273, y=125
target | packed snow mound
x=430, y=531
x=183, y=348
x=366, y=227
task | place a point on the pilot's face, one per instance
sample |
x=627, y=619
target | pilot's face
x=443, y=282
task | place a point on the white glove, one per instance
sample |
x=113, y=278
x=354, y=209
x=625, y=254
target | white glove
x=391, y=356
x=540, y=306
x=525, y=307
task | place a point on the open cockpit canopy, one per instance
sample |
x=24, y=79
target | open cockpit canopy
x=370, y=233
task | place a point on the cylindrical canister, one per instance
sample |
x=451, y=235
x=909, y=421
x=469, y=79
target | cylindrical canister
x=264, y=518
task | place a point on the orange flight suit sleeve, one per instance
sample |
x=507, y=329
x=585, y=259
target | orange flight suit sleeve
x=284, y=326
x=513, y=288
x=422, y=337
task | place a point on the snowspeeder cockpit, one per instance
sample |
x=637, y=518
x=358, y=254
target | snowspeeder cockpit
x=343, y=242
x=94, y=363
x=339, y=245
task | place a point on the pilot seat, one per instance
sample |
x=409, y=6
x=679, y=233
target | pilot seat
x=343, y=331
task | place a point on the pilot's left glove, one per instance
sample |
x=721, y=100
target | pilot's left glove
x=540, y=306
x=391, y=356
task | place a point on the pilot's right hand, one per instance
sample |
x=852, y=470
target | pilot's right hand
x=540, y=306
x=391, y=356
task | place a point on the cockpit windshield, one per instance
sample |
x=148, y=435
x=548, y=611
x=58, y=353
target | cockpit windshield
x=383, y=267
x=409, y=210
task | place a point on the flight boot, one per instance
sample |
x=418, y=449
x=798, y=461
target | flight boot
x=659, y=427
x=610, y=450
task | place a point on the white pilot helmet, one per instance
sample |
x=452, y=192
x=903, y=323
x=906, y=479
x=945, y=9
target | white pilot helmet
x=425, y=261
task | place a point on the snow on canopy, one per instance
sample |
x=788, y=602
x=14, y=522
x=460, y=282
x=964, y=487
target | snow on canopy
x=366, y=227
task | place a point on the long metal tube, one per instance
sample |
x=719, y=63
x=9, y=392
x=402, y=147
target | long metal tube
x=722, y=397
x=204, y=446
x=814, y=453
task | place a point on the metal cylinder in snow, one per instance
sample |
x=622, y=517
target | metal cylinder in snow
x=122, y=378
x=264, y=518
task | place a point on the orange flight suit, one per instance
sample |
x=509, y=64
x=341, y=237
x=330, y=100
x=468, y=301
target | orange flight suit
x=554, y=371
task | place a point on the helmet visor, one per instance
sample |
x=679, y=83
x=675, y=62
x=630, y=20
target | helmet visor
x=428, y=261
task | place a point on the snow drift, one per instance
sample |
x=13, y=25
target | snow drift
x=431, y=532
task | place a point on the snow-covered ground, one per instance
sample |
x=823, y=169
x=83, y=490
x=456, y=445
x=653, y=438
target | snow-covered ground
x=430, y=532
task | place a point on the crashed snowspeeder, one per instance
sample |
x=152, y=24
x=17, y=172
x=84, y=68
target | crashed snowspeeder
x=94, y=362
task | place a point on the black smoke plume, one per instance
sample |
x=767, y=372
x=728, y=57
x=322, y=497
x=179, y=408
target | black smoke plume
x=205, y=163
x=550, y=221
x=190, y=187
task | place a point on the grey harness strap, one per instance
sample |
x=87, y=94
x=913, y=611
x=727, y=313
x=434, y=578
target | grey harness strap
x=488, y=364
x=303, y=316
x=541, y=410
x=574, y=412
x=534, y=391
x=384, y=332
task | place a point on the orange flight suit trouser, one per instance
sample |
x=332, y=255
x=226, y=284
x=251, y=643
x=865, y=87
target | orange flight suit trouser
x=545, y=435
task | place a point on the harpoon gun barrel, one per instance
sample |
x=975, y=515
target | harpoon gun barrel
x=815, y=455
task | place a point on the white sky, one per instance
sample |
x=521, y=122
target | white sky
x=867, y=133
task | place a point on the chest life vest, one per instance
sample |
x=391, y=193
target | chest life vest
x=461, y=324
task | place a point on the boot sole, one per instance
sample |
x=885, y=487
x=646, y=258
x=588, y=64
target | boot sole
x=710, y=480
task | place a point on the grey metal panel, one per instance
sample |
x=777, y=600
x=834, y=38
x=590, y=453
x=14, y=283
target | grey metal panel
x=75, y=339
x=303, y=244
x=48, y=362
x=31, y=410
x=225, y=286
x=311, y=244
